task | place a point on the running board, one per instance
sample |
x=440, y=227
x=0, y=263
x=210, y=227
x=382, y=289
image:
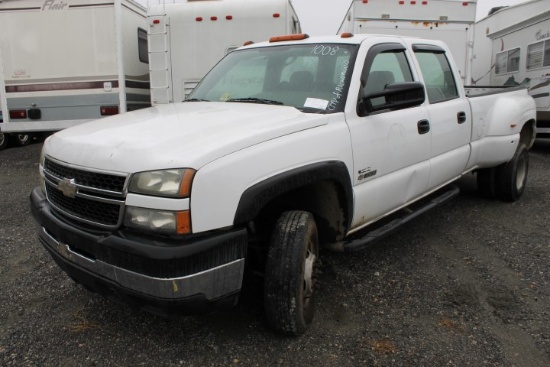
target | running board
x=403, y=216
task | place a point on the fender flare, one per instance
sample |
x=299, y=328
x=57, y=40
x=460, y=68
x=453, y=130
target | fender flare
x=257, y=196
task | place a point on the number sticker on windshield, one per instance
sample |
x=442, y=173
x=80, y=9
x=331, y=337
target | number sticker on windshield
x=325, y=50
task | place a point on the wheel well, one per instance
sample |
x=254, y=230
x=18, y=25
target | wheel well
x=325, y=200
x=527, y=135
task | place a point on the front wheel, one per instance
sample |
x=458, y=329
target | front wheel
x=290, y=274
x=511, y=177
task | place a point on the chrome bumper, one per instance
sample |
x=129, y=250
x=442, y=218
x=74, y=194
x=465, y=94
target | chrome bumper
x=213, y=283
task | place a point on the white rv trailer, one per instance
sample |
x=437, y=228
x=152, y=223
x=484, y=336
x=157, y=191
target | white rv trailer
x=498, y=19
x=187, y=39
x=521, y=54
x=69, y=61
x=450, y=21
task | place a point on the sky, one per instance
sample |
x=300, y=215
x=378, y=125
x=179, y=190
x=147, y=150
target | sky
x=322, y=17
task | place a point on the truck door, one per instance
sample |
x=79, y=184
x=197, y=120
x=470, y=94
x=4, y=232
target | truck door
x=450, y=118
x=391, y=148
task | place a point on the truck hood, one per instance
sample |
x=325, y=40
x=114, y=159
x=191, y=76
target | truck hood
x=189, y=134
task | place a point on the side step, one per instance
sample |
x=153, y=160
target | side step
x=398, y=219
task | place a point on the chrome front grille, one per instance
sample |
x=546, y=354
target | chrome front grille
x=90, y=197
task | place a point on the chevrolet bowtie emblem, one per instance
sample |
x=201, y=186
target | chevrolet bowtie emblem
x=67, y=187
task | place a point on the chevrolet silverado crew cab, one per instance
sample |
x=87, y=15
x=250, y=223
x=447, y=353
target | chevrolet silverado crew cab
x=285, y=147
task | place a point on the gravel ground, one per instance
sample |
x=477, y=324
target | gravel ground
x=467, y=284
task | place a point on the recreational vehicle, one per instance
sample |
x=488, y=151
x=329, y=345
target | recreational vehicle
x=187, y=39
x=498, y=18
x=519, y=40
x=65, y=62
x=450, y=21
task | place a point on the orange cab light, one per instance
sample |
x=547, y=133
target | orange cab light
x=346, y=35
x=248, y=43
x=289, y=37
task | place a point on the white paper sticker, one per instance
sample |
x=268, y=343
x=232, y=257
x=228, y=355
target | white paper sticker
x=320, y=104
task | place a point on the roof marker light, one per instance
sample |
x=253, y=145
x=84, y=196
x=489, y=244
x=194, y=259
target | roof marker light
x=247, y=43
x=213, y=18
x=346, y=35
x=402, y=3
x=465, y=3
x=365, y=1
x=413, y=2
x=198, y=19
x=289, y=37
x=228, y=17
x=156, y=21
x=276, y=15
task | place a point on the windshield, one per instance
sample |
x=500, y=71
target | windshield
x=312, y=77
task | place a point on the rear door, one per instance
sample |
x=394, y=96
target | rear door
x=449, y=111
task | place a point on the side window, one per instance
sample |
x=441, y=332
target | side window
x=438, y=77
x=387, y=67
x=142, y=46
x=507, y=61
x=538, y=55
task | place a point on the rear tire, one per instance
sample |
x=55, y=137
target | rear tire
x=3, y=140
x=486, y=182
x=21, y=140
x=290, y=274
x=511, y=177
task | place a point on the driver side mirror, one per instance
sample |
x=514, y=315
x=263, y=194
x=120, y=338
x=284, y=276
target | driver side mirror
x=395, y=96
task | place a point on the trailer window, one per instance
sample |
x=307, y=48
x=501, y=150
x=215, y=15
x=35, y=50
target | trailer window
x=142, y=46
x=438, y=76
x=538, y=55
x=507, y=61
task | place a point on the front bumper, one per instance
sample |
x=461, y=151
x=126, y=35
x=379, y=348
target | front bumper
x=163, y=276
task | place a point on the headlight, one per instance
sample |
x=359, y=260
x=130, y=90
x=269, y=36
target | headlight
x=169, y=183
x=158, y=220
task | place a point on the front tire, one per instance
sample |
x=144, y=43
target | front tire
x=290, y=274
x=511, y=177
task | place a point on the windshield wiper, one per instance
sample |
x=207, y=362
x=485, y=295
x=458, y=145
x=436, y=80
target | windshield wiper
x=196, y=100
x=255, y=100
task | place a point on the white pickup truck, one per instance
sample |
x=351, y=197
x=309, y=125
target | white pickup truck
x=284, y=147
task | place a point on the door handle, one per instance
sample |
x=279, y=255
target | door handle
x=423, y=126
x=461, y=117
